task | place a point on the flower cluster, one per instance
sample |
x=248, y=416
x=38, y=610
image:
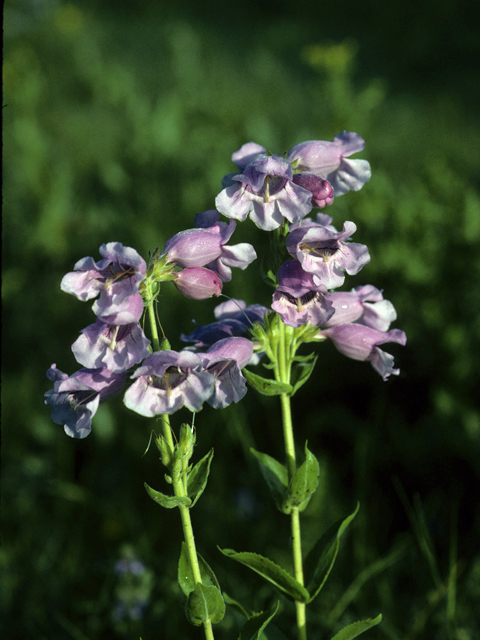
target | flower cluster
x=109, y=348
x=271, y=188
x=274, y=191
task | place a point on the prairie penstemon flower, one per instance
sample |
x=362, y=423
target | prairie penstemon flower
x=310, y=260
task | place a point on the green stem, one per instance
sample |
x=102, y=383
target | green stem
x=179, y=489
x=153, y=325
x=179, y=478
x=282, y=374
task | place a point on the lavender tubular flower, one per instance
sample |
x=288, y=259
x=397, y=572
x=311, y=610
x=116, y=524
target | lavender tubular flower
x=117, y=347
x=167, y=381
x=193, y=248
x=364, y=305
x=298, y=300
x=198, y=283
x=328, y=160
x=360, y=342
x=239, y=255
x=75, y=399
x=266, y=192
x=224, y=360
x=327, y=254
x=115, y=278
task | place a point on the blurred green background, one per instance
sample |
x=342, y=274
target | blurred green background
x=119, y=121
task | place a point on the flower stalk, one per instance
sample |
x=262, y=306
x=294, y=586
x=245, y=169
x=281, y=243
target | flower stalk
x=282, y=374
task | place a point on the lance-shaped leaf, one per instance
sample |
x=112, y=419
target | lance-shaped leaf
x=204, y=603
x=197, y=478
x=321, y=558
x=303, y=484
x=301, y=372
x=356, y=628
x=275, y=475
x=236, y=605
x=185, y=575
x=282, y=580
x=266, y=386
x=169, y=502
x=253, y=628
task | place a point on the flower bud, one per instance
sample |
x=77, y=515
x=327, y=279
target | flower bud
x=198, y=283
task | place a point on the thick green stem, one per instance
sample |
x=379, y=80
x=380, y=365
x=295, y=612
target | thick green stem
x=282, y=373
x=153, y=325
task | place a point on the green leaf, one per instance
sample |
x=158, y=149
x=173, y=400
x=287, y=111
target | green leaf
x=197, y=478
x=356, y=628
x=271, y=572
x=303, y=484
x=301, y=372
x=204, y=603
x=185, y=575
x=266, y=386
x=275, y=475
x=322, y=557
x=169, y=502
x=236, y=605
x=254, y=627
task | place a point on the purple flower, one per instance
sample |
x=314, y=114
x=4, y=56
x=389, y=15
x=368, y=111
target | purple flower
x=75, y=399
x=126, y=312
x=364, y=305
x=234, y=318
x=167, y=381
x=117, y=347
x=264, y=190
x=239, y=255
x=198, y=283
x=328, y=160
x=115, y=278
x=193, y=248
x=361, y=343
x=298, y=299
x=224, y=360
x=326, y=253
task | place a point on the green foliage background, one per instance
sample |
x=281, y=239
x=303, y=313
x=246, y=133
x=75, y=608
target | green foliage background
x=118, y=125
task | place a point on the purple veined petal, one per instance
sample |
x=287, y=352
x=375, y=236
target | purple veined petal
x=351, y=175
x=378, y=315
x=230, y=384
x=247, y=153
x=115, y=277
x=116, y=347
x=293, y=279
x=236, y=348
x=167, y=381
x=128, y=311
x=75, y=399
x=360, y=342
x=233, y=203
x=224, y=360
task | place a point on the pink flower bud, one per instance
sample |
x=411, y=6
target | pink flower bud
x=198, y=283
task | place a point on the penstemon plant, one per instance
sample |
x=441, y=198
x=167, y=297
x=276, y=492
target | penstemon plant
x=305, y=267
